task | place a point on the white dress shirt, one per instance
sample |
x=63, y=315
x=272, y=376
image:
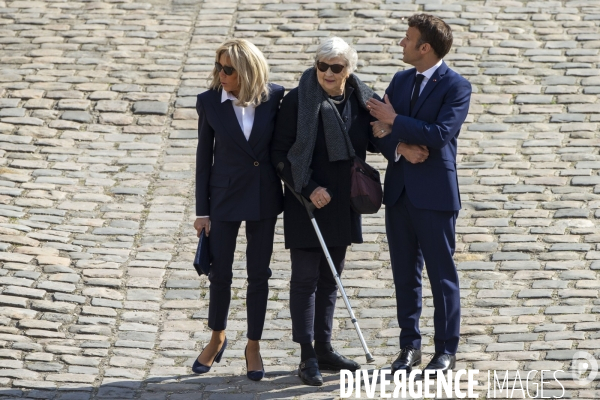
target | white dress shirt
x=428, y=74
x=244, y=115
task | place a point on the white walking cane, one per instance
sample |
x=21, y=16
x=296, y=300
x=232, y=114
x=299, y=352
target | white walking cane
x=310, y=207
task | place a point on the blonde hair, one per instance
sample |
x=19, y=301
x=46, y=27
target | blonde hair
x=252, y=71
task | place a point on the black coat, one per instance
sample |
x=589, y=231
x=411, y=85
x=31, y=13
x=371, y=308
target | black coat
x=235, y=179
x=339, y=224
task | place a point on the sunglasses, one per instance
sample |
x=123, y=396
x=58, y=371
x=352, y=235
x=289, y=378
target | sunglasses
x=335, y=68
x=228, y=70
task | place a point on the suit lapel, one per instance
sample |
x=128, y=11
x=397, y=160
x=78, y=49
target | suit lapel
x=260, y=118
x=231, y=124
x=435, y=79
x=406, y=91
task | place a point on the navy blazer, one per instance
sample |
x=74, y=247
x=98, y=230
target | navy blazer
x=435, y=122
x=235, y=180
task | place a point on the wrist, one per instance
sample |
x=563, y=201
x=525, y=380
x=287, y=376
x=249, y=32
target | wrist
x=399, y=149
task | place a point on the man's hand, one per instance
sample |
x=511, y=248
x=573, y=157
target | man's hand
x=319, y=197
x=414, y=153
x=384, y=112
x=380, y=129
x=202, y=223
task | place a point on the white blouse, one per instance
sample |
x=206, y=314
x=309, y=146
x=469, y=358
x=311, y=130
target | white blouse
x=245, y=115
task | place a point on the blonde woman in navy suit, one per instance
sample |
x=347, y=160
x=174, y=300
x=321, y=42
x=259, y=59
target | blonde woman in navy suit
x=235, y=182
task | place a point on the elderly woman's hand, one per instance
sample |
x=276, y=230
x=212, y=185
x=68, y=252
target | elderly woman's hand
x=380, y=129
x=320, y=197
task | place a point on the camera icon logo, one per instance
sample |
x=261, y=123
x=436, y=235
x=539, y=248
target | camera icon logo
x=584, y=368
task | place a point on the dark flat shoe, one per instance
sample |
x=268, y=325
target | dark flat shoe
x=334, y=361
x=199, y=368
x=309, y=373
x=439, y=362
x=254, y=375
x=408, y=358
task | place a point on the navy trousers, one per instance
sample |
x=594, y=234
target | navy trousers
x=259, y=248
x=313, y=291
x=415, y=237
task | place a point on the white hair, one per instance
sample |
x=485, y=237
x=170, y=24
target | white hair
x=336, y=47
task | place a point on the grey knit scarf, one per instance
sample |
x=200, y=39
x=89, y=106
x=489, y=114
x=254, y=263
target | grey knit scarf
x=312, y=102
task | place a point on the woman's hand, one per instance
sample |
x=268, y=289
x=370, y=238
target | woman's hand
x=380, y=129
x=202, y=223
x=319, y=197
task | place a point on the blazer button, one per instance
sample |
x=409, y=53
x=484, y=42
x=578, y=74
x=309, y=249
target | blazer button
x=256, y=163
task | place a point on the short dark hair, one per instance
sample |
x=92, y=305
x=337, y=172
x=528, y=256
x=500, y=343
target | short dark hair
x=433, y=31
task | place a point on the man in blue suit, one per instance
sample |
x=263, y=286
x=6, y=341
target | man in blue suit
x=424, y=108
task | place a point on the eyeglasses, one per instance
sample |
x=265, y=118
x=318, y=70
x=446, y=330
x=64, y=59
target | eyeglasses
x=228, y=70
x=335, y=68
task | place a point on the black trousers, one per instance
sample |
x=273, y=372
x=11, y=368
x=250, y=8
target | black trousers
x=313, y=292
x=259, y=248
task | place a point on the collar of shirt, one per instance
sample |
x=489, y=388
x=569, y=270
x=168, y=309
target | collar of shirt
x=244, y=115
x=225, y=95
x=428, y=74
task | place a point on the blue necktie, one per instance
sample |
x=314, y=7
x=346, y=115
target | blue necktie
x=416, y=90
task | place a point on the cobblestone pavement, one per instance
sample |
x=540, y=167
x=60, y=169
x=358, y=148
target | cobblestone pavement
x=97, y=139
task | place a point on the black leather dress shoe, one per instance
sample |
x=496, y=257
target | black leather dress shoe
x=440, y=362
x=309, y=372
x=408, y=358
x=334, y=361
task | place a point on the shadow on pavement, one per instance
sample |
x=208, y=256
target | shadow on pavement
x=276, y=385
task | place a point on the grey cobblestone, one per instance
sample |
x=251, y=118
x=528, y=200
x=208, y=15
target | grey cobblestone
x=98, y=298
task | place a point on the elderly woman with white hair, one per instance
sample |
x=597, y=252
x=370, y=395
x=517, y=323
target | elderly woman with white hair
x=321, y=126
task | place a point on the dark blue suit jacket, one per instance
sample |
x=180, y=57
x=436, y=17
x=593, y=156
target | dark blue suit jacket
x=235, y=179
x=434, y=122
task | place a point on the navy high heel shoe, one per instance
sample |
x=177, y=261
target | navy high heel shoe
x=199, y=368
x=254, y=375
